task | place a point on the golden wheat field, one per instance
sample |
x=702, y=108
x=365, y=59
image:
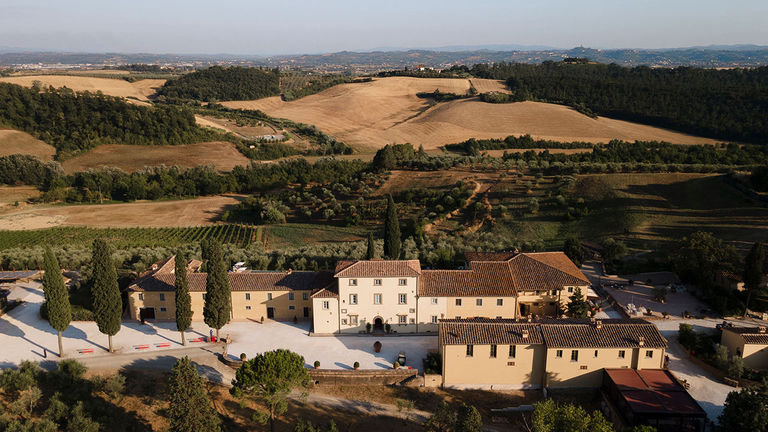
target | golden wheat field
x=130, y=158
x=15, y=142
x=109, y=86
x=386, y=110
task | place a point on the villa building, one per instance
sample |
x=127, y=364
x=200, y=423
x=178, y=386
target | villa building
x=520, y=354
x=749, y=343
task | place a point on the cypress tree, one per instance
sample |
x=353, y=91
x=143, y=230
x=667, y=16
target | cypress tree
x=391, y=231
x=56, y=296
x=107, y=304
x=189, y=409
x=371, y=254
x=753, y=272
x=183, y=299
x=217, y=292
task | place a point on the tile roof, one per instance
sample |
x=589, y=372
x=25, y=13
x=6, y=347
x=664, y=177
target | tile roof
x=623, y=333
x=330, y=291
x=376, y=268
x=653, y=391
x=487, y=332
x=488, y=256
x=245, y=281
x=545, y=270
x=751, y=335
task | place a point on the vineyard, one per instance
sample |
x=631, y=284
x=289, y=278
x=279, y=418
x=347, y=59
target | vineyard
x=123, y=238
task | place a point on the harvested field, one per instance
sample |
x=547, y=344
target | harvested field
x=13, y=142
x=231, y=126
x=114, y=87
x=14, y=198
x=192, y=212
x=130, y=158
x=488, y=85
x=386, y=110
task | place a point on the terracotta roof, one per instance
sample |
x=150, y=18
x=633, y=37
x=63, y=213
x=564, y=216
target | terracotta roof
x=653, y=391
x=485, y=279
x=751, y=335
x=623, y=333
x=376, y=268
x=545, y=270
x=487, y=332
x=488, y=256
x=245, y=281
x=330, y=291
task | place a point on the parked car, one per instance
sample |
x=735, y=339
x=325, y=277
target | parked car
x=401, y=358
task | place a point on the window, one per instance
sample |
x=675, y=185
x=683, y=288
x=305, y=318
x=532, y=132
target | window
x=141, y=296
x=162, y=297
x=247, y=308
x=512, y=351
x=434, y=319
x=402, y=298
x=343, y=321
x=622, y=353
x=402, y=282
x=402, y=319
x=434, y=300
x=493, y=351
x=570, y=289
x=595, y=353
x=458, y=302
x=247, y=296
x=305, y=296
x=353, y=319
x=353, y=299
x=291, y=296
x=291, y=307
x=470, y=350
x=377, y=299
x=499, y=302
x=353, y=282
x=649, y=354
x=269, y=296
x=377, y=282
x=163, y=309
x=574, y=355
x=553, y=292
x=559, y=354
x=412, y=321
x=583, y=367
x=326, y=304
x=479, y=302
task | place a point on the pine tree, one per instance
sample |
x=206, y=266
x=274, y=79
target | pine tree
x=371, y=254
x=753, y=271
x=391, y=231
x=107, y=304
x=218, y=295
x=577, y=307
x=189, y=409
x=183, y=299
x=56, y=296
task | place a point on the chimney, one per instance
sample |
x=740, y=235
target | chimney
x=599, y=324
x=761, y=329
x=525, y=334
x=641, y=341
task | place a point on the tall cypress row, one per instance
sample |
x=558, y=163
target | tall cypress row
x=107, y=304
x=218, y=295
x=391, y=231
x=371, y=254
x=182, y=297
x=56, y=296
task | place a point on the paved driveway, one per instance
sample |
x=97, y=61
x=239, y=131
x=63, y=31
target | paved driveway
x=25, y=336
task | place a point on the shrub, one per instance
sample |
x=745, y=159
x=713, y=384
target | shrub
x=368, y=327
x=660, y=294
x=243, y=357
x=396, y=364
x=735, y=367
x=433, y=363
x=317, y=364
x=356, y=365
x=388, y=328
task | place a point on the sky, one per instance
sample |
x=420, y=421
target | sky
x=314, y=26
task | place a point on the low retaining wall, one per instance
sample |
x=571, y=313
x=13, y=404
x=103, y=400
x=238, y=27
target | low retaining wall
x=433, y=380
x=361, y=377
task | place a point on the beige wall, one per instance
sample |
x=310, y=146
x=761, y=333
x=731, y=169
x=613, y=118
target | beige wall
x=489, y=308
x=325, y=321
x=588, y=370
x=242, y=309
x=525, y=370
x=427, y=309
x=366, y=310
x=755, y=356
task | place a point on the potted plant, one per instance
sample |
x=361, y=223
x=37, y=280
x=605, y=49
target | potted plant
x=262, y=320
x=356, y=365
x=396, y=365
x=317, y=364
x=367, y=327
x=388, y=328
x=377, y=346
x=243, y=357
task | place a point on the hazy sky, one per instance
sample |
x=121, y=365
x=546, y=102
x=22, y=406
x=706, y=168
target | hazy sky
x=311, y=26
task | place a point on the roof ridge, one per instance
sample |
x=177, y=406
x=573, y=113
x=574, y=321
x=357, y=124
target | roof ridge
x=549, y=265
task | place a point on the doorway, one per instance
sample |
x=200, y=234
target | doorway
x=378, y=324
x=306, y=312
x=146, y=314
x=271, y=313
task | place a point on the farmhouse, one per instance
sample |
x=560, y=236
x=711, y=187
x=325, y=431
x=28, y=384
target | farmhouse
x=749, y=343
x=395, y=295
x=515, y=354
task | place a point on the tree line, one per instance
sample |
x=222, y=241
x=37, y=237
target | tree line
x=223, y=83
x=73, y=122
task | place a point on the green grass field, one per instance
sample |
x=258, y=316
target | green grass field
x=297, y=235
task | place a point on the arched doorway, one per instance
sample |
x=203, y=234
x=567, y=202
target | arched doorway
x=378, y=324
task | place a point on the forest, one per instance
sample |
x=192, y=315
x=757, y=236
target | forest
x=223, y=83
x=73, y=122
